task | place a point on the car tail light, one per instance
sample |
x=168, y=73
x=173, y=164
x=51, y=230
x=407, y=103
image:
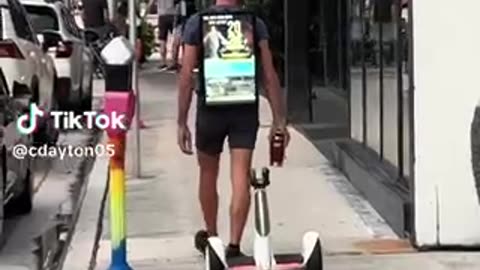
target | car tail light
x=64, y=49
x=8, y=49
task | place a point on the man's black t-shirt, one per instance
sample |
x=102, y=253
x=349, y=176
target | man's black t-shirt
x=93, y=13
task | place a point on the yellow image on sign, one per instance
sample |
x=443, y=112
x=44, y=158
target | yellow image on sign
x=236, y=44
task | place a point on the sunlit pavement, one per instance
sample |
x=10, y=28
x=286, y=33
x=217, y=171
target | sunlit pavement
x=306, y=194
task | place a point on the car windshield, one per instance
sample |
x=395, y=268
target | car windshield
x=42, y=18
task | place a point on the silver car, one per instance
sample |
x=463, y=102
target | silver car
x=16, y=173
x=73, y=57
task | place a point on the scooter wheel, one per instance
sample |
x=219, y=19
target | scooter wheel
x=213, y=261
x=315, y=262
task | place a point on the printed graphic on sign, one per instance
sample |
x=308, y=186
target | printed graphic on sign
x=229, y=59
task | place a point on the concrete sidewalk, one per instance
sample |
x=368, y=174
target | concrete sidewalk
x=163, y=211
x=307, y=193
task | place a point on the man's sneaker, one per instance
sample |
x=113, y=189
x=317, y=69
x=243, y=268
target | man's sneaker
x=163, y=67
x=173, y=68
x=201, y=241
x=233, y=251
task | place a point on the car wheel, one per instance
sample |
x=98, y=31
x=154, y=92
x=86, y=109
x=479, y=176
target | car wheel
x=23, y=203
x=86, y=104
x=47, y=132
x=39, y=136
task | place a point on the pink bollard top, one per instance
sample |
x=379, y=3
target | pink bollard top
x=119, y=103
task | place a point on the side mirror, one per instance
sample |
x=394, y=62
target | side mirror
x=90, y=35
x=50, y=38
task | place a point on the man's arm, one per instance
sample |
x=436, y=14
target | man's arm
x=272, y=85
x=185, y=79
x=191, y=39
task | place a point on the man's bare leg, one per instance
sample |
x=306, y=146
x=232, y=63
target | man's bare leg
x=241, y=162
x=208, y=194
x=175, y=50
x=163, y=51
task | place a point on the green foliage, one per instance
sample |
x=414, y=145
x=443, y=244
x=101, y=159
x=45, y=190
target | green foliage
x=147, y=36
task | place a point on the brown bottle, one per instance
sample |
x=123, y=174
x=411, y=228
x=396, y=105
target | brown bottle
x=277, y=149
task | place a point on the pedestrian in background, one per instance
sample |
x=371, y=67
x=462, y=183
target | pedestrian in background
x=166, y=17
x=95, y=15
x=120, y=19
x=184, y=9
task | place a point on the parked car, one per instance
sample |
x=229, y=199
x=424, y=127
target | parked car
x=16, y=174
x=73, y=58
x=28, y=69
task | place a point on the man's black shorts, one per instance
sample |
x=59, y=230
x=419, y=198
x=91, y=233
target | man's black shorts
x=165, y=25
x=213, y=125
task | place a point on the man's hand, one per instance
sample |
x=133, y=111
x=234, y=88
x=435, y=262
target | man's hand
x=184, y=139
x=281, y=128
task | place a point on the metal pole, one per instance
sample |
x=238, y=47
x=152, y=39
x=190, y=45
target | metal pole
x=132, y=18
x=117, y=205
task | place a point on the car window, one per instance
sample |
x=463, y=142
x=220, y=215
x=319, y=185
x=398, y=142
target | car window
x=69, y=23
x=21, y=23
x=42, y=18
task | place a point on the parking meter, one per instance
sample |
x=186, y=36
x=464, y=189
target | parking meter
x=119, y=96
x=118, y=56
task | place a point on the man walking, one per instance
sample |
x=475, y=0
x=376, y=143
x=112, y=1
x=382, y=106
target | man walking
x=166, y=16
x=184, y=10
x=95, y=15
x=213, y=124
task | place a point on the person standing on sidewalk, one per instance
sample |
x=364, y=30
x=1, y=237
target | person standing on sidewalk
x=166, y=17
x=95, y=15
x=184, y=10
x=213, y=124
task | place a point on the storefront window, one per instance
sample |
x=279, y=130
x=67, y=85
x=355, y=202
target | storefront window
x=380, y=98
x=372, y=63
x=390, y=85
x=405, y=41
x=356, y=74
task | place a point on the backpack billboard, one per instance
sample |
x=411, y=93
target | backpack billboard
x=228, y=67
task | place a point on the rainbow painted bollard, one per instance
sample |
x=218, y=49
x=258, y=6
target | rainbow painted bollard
x=119, y=99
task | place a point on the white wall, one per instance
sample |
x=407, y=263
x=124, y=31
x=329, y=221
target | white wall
x=447, y=87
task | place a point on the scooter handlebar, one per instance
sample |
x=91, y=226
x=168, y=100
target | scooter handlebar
x=260, y=182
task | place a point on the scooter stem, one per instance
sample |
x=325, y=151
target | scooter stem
x=263, y=252
x=262, y=220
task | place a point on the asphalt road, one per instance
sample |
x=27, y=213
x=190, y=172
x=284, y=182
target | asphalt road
x=53, y=189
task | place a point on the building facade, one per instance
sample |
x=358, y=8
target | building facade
x=386, y=90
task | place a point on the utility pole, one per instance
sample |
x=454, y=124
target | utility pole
x=132, y=20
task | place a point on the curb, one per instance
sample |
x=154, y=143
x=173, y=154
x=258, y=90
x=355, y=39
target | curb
x=83, y=248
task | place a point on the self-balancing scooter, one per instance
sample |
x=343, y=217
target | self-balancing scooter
x=263, y=257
